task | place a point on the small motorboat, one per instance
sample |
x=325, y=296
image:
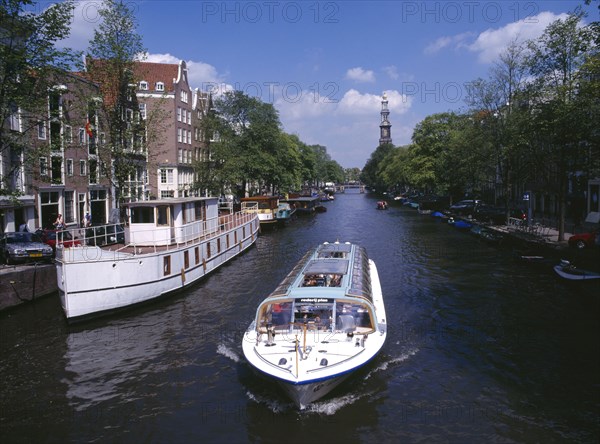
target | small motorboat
x=325, y=320
x=382, y=205
x=569, y=271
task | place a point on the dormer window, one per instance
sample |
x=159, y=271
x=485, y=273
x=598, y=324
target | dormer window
x=144, y=85
x=160, y=86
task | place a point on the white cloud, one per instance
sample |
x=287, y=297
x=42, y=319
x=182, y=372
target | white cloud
x=391, y=71
x=359, y=74
x=355, y=103
x=201, y=75
x=492, y=42
x=84, y=21
x=456, y=41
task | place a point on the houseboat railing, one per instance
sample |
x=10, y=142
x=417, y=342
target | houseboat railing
x=151, y=240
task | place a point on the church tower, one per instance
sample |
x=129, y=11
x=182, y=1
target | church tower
x=385, y=127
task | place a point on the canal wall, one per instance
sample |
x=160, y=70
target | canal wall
x=26, y=283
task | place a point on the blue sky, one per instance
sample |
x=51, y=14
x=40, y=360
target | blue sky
x=325, y=64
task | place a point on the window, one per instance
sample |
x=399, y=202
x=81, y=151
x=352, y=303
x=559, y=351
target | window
x=184, y=96
x=186, y=259
x=142, y=215
x=189, y=137
x=160, y=86
x=167, y=265
x=167, y=194
x=189, y=117
x=82, y=168
x=162, y=215
x=15, y=118
x=69, y=167
x=43, y=166
x=180, y=156
x=197, y=255
x=179, y=114
x=81, y=136
x=68, y=131
x=41, y=130
x=93, y=171
x=166, y=175
x=144, y=85
x=179, y=136
x=142, y=111
x=69, y=215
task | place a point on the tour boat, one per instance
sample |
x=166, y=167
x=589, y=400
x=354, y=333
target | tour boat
x=324, y=321
x=168, y=244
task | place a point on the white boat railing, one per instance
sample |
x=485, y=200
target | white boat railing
x=151, y=240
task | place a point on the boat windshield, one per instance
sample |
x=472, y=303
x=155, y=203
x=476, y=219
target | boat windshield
x=317, y=314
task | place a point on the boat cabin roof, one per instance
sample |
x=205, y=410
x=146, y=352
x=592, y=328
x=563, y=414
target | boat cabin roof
x=332, y=271
x=326, y=267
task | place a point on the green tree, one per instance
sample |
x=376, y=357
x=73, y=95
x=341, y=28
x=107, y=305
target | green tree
x=111, y=59
x=249, y=137
x=30, y=63
x=371, y=175
x=556, y=60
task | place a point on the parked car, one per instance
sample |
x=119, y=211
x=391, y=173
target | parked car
x=24, y=247
x=105, y=235
x=584, y=240
x=465, y=207
x=64, y=238
x=491, y=214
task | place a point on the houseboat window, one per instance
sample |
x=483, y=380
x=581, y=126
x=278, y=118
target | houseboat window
x=227, y=237
x=167, y=265
x=208, y=249
x=186, y=259
x=218, y=245
x=197, y=255
x=200, y=210
x=162, y=215
x=142, y=215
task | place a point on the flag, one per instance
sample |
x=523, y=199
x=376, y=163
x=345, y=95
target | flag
x=88, y=129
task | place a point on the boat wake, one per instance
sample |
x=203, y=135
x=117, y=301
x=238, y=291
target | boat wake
x=332, y=406
x=327, y=407
x=391, y=362
x=224, y=350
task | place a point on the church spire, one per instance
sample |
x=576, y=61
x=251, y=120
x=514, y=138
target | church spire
x=385, y=128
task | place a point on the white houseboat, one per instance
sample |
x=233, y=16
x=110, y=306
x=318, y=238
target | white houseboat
x=168, y=244
x=325, y=320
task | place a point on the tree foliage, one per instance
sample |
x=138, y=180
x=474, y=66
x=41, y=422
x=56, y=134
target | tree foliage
x=29, y=63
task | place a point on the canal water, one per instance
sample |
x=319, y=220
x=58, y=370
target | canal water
x=480, y=348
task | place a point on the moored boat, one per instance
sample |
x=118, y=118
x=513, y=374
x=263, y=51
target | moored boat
x=168, y=245
x=325, y=320
x=303, y=204
x=265, y=207
x=568, y=271
x=285, y=212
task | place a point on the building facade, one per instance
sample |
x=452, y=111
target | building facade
x=169, y=104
